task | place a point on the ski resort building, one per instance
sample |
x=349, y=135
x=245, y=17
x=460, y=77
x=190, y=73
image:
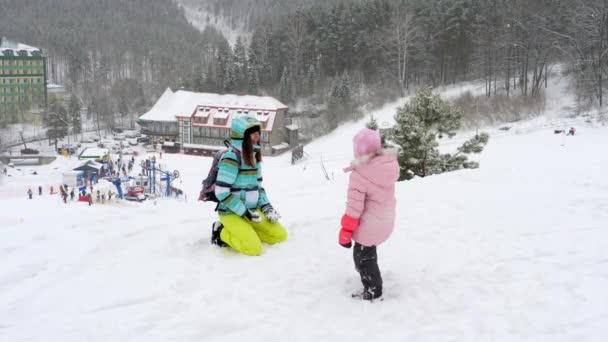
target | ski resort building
x=198, y=123
x=96, y=154
x=22, y=80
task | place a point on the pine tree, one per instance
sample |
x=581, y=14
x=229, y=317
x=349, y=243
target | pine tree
x=285, y=87
x=231, y=81
x=418, y=126
x=344, y=90
x=311, y=80
x=240, y=61
x=224, y=60
x=253, y=82
x=74, y=114
x=57, y=122
x=372, y=124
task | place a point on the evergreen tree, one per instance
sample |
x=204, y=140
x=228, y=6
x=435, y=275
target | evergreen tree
x=372, y=124
x=285, y=87
x=57, y=122
x=253, y=82
x=344, y=90
x=311, y=80
x=240, y=61
x=231, y=82
x=74, y=114
x=418, y=126
x=223, y=61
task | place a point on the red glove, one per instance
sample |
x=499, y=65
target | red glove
x=349, y=224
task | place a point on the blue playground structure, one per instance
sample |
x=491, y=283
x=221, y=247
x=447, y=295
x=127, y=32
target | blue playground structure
x=165, y=176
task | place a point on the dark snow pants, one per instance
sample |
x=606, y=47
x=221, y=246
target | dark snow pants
x=366, y=263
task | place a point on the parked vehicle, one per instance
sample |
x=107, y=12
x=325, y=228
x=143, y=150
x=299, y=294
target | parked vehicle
x=70, y=147
x=28, y=150
x=135, y=193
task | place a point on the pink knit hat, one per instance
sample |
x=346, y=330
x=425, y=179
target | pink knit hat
x=367, y=141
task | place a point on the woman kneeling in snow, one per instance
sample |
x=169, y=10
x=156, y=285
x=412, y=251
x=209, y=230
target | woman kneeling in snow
x=246, y=217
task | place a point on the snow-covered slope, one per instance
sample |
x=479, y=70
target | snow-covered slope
x=200, y=17
x=512, y=251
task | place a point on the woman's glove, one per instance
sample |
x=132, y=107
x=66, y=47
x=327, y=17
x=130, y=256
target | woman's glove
x=349, y=224
x=271, y=214
x=252, y=215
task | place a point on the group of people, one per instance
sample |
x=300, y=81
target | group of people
x=63, y=190
x=247, y=218
x=121, y=166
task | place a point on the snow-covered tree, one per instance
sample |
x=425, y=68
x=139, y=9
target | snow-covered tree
x=285, y=87
x=231, y=81
x=372, y=124
x=240, y=61
x=56, y=122
x=74, y=114
x=418, y=126
x=253, y=83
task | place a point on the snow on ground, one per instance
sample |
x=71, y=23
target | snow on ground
x=200, y=17
x=512, y=251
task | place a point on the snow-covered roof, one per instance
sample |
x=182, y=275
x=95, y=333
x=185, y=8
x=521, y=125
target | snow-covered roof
x=72, y=173
x=185, y=103
x=205, y=147
x=202, y=112
x=164, y=109
x=88, y=165
x=221, y=115
x=91, y=152
x=11, y=48
x=262, y=118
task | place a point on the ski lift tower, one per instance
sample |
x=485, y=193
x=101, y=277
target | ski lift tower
x=164, y=176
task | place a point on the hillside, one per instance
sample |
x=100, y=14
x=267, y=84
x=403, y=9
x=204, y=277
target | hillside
x=512, y=251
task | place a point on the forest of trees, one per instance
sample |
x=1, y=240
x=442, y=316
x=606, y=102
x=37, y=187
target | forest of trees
x=121, y=54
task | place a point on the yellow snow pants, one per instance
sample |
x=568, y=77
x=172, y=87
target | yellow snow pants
x=246, y=236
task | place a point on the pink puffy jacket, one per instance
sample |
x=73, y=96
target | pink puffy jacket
x=371, y=196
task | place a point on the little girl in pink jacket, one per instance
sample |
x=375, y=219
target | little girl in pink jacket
x=370, y=212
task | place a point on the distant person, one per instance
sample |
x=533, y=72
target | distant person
x=72, y=194
x=369, y=218
x=571, y=131
x=29, y=193
x=39, y=190
x=90, y=199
